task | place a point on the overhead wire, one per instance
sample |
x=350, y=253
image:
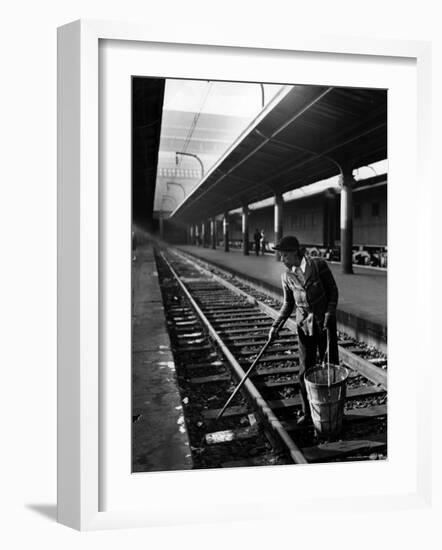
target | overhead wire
x=195, y=120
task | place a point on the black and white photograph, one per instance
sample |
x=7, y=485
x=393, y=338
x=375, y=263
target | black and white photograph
x=259, y=274
x=221, y=286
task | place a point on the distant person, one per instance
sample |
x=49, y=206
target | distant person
x=263, y=242
x=257, y=239
x=309, y=285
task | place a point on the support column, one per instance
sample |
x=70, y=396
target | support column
x=279, y=201
x=329, y=220
x=197, y=234
x=191, y=240
x=226, y=231
x=346, y=182
x=245, y=230
x=213, y=232
x=203, y=234
x=207, y=234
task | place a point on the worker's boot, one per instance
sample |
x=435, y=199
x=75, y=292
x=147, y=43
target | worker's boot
x=304, y=420
x=306, y=416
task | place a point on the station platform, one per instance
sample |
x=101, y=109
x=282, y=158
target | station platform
x=362, y=306
x=159, y=437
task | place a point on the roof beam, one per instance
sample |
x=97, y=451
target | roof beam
x=258, y=147
x=336, y=150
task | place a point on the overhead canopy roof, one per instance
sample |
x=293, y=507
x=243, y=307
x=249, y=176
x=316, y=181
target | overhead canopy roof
x=306, y=134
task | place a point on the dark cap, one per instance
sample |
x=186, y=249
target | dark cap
x=287, y=244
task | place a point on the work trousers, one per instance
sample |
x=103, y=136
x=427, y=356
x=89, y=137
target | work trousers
x=312, y=351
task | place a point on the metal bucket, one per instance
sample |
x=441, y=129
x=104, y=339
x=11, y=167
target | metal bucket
x=326, y=390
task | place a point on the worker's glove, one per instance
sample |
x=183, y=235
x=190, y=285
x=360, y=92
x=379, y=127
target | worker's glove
x=329, y=321
x=273, y=333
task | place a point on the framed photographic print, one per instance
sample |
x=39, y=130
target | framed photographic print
x=227, y=216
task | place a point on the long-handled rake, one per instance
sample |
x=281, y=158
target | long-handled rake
x=244, y=378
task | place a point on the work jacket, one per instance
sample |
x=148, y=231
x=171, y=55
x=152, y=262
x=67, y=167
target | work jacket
x=314, y=293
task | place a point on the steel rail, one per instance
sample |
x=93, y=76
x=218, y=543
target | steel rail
x=263, y=409
x=364, y=367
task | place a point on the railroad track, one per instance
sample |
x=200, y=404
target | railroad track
x=217, y=329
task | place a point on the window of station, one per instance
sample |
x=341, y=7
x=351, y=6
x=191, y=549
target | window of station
x=375, y=209
x=357, y=211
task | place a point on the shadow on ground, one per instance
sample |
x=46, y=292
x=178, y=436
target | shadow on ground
x=48, y=511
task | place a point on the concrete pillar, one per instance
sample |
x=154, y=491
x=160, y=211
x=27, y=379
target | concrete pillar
x=191, y=237
x=203, y=234
x=329, y=218
x=245, y=230
x=346, y=182
x=197, y=233
x=226, y=231
x=279, y=201
x=213, y=232
x=207, y=233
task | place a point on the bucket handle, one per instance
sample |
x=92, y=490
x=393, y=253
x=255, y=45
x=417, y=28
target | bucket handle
x=327, y=353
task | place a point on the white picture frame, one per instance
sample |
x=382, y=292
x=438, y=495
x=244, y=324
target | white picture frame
x=79, y=276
